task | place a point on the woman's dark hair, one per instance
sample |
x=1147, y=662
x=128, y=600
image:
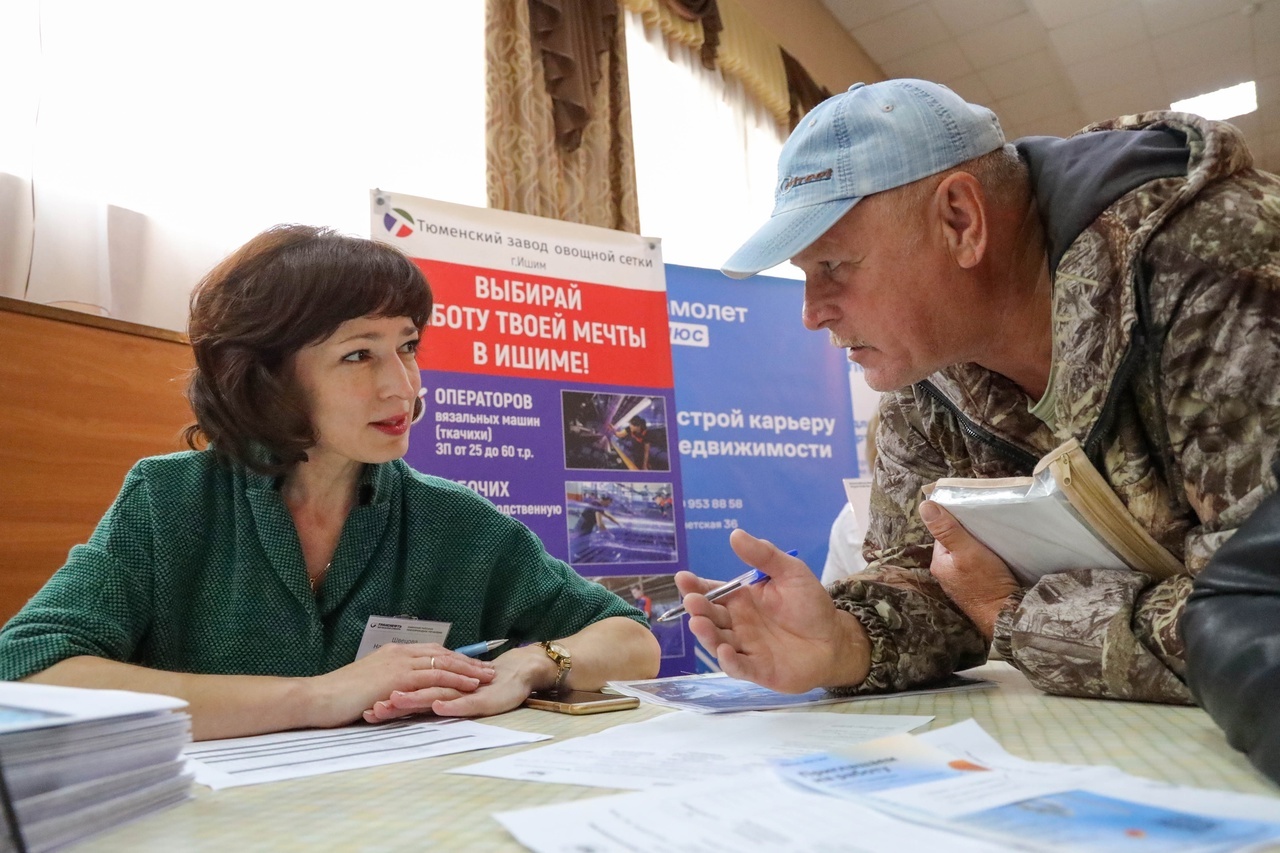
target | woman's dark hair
x=287, y=288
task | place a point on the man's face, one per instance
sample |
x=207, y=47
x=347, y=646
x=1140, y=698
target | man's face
x=884, y=286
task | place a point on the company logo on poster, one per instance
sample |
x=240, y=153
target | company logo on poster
x=690, y=335
x=399, y=222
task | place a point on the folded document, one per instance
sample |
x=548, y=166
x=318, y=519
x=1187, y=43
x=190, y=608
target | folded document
x=1064, y=516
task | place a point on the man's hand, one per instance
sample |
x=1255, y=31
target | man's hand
x=969, y=572
x=784, y=634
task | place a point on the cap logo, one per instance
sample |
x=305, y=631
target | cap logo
x=799, y=180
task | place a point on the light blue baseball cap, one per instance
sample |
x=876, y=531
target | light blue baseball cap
x=867, y=140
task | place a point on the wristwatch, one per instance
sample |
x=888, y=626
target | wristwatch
x=561, y=658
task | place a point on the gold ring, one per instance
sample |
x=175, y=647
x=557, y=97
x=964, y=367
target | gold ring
x=433, y=663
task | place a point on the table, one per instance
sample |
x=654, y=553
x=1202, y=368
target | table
x=413, y=806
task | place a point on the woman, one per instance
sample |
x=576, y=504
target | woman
x=241, y=577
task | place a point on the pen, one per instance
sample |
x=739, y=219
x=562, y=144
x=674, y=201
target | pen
x=479, y=648
x=750, y=578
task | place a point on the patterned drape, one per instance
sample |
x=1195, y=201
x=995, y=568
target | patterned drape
x=729, y=39
x=678, y=29
x=804, y=90
x=751, y=54
x=528, y=171
x=707, y=13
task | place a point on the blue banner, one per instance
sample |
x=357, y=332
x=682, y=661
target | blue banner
x=764, y=418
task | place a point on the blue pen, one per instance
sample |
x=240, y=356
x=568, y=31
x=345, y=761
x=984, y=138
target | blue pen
x=754, y=576
x=479, y=648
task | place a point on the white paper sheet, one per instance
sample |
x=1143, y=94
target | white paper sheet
x=969, y=740
x=918, y=779
x=291, y=755
x=1070, y=809
x=759, y=811
x=753, y=813
x=26, y=706
x=686, y=747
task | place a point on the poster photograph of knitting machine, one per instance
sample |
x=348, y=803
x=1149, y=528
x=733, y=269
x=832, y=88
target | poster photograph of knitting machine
x=614, y=522
x=618, y=432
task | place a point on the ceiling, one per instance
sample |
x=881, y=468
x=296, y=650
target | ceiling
x=1053, y=66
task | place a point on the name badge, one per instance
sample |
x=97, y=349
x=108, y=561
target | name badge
x=380, y=630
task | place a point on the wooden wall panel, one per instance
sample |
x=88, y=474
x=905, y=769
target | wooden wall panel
x=81, y=400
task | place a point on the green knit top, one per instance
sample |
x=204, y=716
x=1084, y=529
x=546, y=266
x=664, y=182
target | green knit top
x=197, y=567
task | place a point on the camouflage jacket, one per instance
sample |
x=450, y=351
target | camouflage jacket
x=1184, y=429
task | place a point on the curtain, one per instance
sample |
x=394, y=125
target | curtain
x=570, y=36
x=588, y=176
x=679, y=29
x=728, y=38
x=19, y=59
x=706, y=12
x=752, y=55
x=706, y=152
x=804, y=91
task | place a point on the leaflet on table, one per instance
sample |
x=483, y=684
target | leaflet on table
x=682, y=747
x=751, y=813
x=716, y=693
x=968, y=740
x=907, y=777
x=231, y=762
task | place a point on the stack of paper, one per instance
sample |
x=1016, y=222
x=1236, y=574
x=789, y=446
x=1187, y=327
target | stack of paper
x=74, y=762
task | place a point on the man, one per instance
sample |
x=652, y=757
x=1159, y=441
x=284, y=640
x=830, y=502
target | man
x=594, y=511
x=640, y=446
x=642, y=601
x=1121, y=286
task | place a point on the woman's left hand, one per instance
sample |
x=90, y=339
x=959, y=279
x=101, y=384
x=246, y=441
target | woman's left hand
x=516, y=673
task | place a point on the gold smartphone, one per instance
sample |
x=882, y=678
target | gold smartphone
x=580, y=702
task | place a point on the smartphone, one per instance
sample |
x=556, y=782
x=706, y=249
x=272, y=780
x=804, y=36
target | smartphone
x=580, y=702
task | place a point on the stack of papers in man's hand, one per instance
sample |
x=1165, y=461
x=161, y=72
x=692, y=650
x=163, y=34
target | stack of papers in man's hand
x=717, y=693
x=1064, y=517
x=74, y=762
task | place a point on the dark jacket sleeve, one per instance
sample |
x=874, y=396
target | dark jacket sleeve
x=1232, y=631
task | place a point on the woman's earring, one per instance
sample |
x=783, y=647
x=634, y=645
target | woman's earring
x=419, y=406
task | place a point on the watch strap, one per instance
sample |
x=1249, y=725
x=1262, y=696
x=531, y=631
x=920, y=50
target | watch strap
x=561, y=658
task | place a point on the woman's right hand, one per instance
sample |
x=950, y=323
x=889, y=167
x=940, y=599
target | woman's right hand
x=341, y=697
